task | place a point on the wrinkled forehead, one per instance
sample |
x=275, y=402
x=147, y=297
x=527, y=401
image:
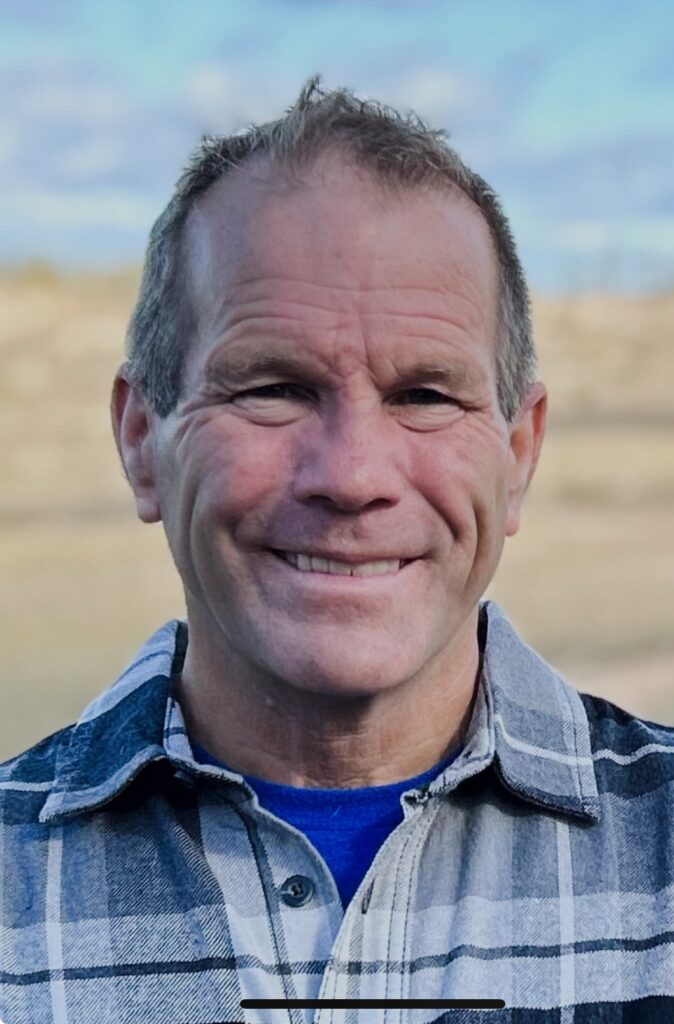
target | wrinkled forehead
x=337, y=232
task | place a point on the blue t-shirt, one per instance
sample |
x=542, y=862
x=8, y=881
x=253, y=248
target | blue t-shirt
x=347, y=826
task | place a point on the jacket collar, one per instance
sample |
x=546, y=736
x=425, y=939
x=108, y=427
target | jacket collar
x=527, y=722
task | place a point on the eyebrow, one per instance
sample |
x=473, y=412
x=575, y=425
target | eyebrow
x=240, y=367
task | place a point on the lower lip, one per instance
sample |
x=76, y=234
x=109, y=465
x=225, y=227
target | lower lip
x=336, y=581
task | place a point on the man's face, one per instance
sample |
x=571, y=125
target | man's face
x=349, y=453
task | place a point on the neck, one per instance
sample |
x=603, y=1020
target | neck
x=272, y=730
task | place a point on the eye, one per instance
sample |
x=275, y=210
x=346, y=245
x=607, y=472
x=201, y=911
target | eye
x=258, y=392
x=433, y=395
x=263, y=392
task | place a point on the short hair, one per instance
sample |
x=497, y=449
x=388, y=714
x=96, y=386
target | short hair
x=398, y=150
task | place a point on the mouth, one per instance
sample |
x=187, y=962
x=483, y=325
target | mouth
x=328, y=567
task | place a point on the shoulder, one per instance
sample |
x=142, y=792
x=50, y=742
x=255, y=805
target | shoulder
x=617, y=726
x=626, y=747
x=27, y=778
x=33, y=758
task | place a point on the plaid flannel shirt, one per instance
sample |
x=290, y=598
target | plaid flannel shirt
x=140, y=887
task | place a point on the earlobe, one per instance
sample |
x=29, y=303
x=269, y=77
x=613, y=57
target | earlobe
x=132, y=428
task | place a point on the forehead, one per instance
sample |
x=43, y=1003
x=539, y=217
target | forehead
x=339, y=245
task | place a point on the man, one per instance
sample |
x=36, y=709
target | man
x=344, y=777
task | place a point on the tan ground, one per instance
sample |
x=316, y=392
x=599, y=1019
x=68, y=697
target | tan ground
x=588, y=581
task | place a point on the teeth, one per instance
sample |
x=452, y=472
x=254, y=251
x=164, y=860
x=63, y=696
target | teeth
x=307, y=564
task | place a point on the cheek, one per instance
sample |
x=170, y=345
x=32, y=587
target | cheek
x=464, y=479
x=465, y=485
x=231, y=472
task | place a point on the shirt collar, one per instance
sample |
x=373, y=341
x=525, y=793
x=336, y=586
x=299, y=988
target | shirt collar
x=527, y=723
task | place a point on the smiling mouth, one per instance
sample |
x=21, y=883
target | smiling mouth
x=329, y=567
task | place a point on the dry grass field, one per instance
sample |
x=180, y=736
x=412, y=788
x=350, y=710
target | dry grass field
x=588, y=581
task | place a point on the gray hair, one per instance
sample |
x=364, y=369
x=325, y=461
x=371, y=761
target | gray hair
x=399, y=150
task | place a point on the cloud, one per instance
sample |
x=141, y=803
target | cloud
x=87, y=161
x=480, y=110
x=9, y=143
x=67, y=123
x=65, y=91
x=439, y=95
x=95, y=157
x=218, y=97
x=652, y=234
x=68, y=100
x=25, y=14
x=75, y=125
x=608, y=180
x=107, y=208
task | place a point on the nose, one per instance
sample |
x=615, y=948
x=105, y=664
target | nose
x=351, y=460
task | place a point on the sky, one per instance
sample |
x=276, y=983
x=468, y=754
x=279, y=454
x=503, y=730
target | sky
x=567, y=109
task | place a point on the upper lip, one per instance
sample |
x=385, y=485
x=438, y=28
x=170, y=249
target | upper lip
x=348, y=557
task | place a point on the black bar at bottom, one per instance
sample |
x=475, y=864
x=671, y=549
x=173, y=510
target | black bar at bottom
x=372, y=1004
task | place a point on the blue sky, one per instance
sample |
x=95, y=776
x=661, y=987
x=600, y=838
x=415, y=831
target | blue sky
x=566, y=109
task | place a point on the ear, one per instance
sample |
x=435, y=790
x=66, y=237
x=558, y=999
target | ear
x=526, y=439
x=132, y=425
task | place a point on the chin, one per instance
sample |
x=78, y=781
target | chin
x=345, y=684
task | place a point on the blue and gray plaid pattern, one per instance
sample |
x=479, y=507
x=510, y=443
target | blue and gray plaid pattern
x=140, y=887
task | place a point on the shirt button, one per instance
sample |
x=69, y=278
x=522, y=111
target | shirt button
x=297, y=890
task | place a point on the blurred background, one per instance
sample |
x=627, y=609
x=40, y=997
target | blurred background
x=567, y=110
